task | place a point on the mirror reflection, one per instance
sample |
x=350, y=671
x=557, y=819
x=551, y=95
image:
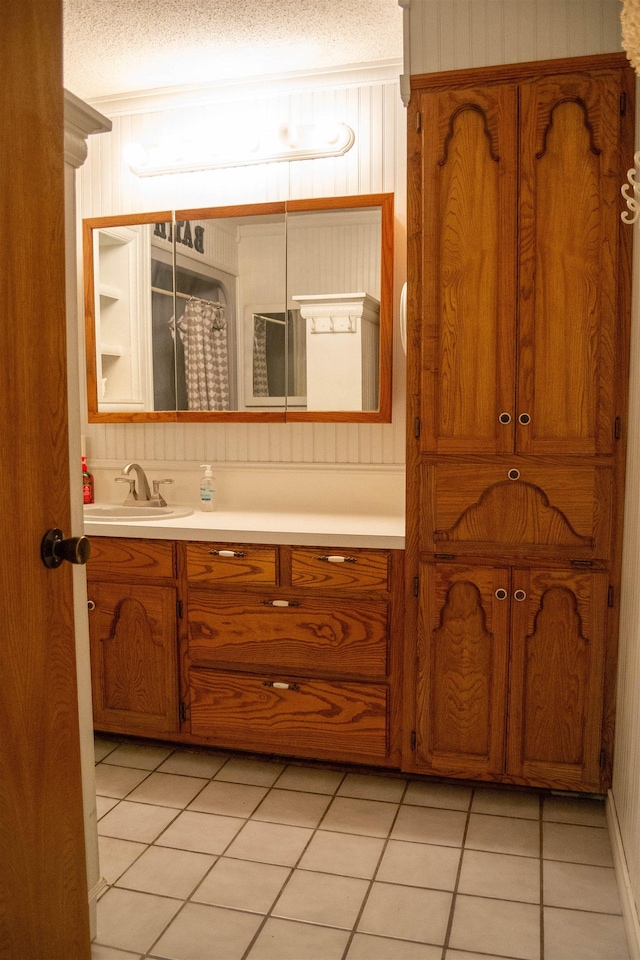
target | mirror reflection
x=272, y=311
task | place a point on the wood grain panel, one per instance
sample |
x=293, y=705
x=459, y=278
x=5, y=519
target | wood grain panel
x=133, y=658
x=312, y=718
x=360, y=569
x=251, y=565
x=312, y=634
x=557, y=657
x=568, y=215
x=468, y=312
x=119, y=557
x=463, y=640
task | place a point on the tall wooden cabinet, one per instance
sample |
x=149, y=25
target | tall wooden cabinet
x=519, y=275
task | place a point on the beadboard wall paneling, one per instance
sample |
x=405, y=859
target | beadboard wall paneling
x=369, y=101
x=457, y=34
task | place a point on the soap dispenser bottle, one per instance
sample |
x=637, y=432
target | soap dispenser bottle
x=207, y=489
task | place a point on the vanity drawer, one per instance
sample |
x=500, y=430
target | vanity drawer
x=231, y=563
x=315, y=635
x=297, y=717
x=342, y=569
x=119, y=557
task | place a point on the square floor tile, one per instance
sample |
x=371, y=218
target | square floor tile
x=496, y=927
x=102, y=748
x=193, y=764
x=138, y=755
x=321, y=898
x=365, y=947
x=136, y=821
x=503, y=835
x=506, y=803
x=582, y=810
x=343, y=854
x=566, y=841
x=200, y=932
x=309, y=779
x=420, y=865
x=112, y=781
x=407, y=913
x=590, y=936
x=167, y=872
x=116, y=856
x=229, y=799
x=260, y=773
x=500, y=875
x=293, y=807
x=201, y=832
x=369, y=787
x=287, y=940
x=579, y=886
x=133, y=921
x=167, y=790
x=270, y=843
x=430, y=825
x=372, y=818
x=104, y=804
x=449, y=796
x=242, y=885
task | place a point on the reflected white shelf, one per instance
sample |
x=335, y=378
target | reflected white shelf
x=109, y=292
x=111, y=349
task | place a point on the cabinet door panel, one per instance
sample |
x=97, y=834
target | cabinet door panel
x=310, y=634
x=133, y=658
x=469, y=244
x=568, y=241
x=306, y=718
x=557, y=659
x=462, y=670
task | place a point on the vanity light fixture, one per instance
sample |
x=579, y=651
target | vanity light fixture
x=312, y=141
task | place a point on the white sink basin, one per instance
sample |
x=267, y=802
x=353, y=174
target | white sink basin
x=116, y=513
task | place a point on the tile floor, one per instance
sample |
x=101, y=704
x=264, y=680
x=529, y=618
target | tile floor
x=216, y=857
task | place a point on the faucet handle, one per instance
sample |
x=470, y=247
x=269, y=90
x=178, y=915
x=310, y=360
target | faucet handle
x=157, y=497
x=132, y=496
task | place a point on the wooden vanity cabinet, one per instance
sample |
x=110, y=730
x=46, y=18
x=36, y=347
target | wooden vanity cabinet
x=294, y=652
x=133, y=636
x=517, y=364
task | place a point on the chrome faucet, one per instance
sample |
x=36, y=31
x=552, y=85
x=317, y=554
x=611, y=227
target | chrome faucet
x=135, y=496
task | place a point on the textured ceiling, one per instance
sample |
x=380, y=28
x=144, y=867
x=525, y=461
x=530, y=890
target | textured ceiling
x=121, y=46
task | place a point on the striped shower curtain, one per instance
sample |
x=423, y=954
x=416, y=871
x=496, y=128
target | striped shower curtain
x=203, y=332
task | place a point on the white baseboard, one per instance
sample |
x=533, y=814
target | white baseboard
x=627, y=899
x=94, y=895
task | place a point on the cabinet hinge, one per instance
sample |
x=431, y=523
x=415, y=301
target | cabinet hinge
x=418, y=122
x=416, y=586
x=182, y=712
x=179, y=609
x=603, y=758
x=617, y=428
x=623, y=104
x=611, y=596
x=416, y=427
x=413, y=739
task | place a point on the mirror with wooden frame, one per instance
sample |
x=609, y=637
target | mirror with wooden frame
x=264, y=312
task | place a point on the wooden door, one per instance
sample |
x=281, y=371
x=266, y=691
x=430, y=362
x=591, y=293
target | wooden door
x=556, y=687
x=43, y=885
x=461, y=670
x=468, y=311
x=133, y=658
x=569, y=215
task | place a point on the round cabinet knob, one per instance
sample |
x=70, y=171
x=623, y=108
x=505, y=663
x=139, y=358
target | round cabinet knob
x=54, y=549
x=501, y=594
x=524, y=419
x=514, y=474
x=91, y=604
x=519, y=595
x=505, y=418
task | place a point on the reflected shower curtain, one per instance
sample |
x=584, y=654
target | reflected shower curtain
x=203, y=332
x=260, y=381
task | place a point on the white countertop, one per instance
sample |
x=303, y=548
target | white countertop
x=298, y=529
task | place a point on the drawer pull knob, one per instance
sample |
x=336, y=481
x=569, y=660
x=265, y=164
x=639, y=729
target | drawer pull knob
x=338, y=559
x=280, y=603
x=226, y=553
x=280, y=685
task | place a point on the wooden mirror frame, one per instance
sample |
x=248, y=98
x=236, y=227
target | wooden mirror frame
x=381, y=415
